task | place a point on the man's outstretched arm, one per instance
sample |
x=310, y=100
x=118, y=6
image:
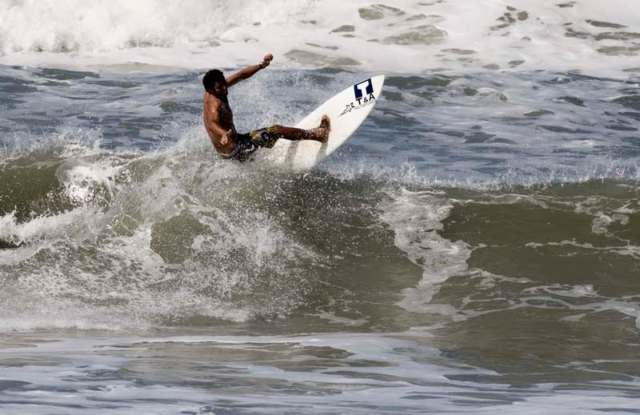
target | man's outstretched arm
x=249, y=71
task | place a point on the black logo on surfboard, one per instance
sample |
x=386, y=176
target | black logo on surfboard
x=363, y=92
x=366, y=87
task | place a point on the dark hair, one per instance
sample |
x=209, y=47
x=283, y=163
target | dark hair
x=211, y=78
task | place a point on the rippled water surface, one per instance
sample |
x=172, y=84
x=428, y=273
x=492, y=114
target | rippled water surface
x=474, y=248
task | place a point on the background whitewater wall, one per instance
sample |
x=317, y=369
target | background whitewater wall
x=398, y=36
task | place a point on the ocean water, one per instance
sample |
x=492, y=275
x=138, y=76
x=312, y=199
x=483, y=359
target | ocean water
x=474, y=248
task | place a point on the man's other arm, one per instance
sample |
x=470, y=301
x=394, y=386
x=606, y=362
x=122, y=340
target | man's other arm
x=249, y=71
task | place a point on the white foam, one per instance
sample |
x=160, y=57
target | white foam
x=416, y=218
x=417, y=36
x=36, y=228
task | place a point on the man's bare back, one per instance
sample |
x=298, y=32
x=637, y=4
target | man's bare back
x=218, y=118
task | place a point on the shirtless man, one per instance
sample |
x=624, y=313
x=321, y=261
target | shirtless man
x=218, y=118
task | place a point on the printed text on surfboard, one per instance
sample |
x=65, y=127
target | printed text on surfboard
x=364, y=96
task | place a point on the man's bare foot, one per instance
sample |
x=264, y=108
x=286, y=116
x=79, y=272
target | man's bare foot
x=322, y=132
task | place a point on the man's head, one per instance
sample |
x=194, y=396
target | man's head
x=215, y=83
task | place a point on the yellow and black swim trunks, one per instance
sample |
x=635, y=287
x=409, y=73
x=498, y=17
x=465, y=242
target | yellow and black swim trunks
x=247, y=144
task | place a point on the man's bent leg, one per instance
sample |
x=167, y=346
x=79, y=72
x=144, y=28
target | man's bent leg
x=295, y=134
x=321, y=133
x=267, y=137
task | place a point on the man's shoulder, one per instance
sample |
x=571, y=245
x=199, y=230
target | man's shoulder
x=212, y=103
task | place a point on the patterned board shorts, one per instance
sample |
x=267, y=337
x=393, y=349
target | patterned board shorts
x=248, y=143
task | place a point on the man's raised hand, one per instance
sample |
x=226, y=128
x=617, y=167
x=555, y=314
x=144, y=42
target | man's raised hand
x=266, y=60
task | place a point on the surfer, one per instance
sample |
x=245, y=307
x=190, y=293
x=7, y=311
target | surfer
x=218, y=118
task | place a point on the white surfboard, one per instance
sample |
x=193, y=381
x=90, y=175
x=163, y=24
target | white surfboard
x=347, y=110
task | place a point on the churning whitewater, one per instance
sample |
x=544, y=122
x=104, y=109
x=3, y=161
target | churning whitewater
x=473, y=248
x=402, y=36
